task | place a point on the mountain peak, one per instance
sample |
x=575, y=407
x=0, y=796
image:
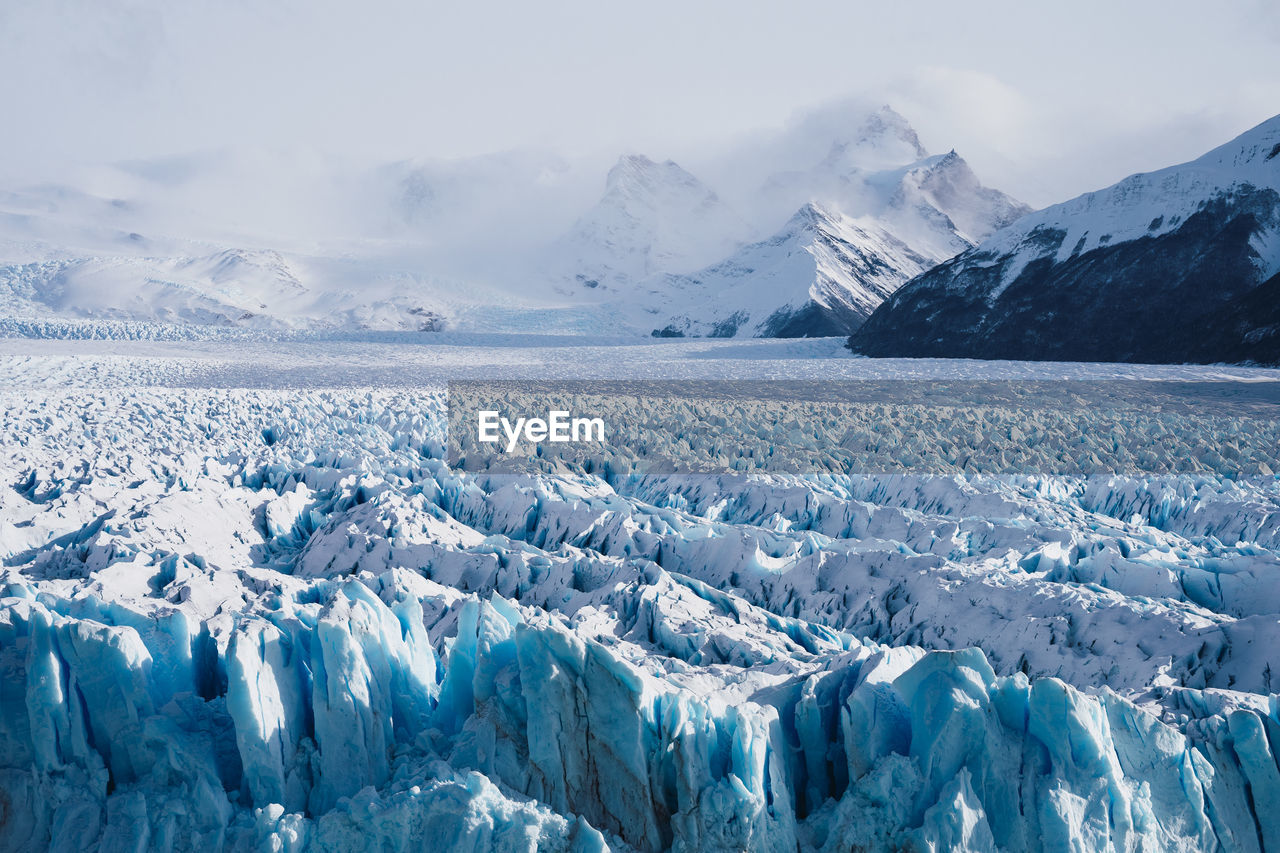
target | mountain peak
x=882, y=139
x=943, y=166
x=1177, y=265
x=888, y=124
x=810, y=213
x=941, y=195
x=639, y=170
x=654, y=217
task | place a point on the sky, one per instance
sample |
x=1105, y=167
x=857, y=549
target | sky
x=1045, y=100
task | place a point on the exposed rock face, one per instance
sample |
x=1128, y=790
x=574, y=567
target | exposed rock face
x=1176, y=266
x=821, y=275
x=666, y=254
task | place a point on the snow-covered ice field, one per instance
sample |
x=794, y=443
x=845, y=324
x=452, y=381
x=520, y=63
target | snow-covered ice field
x=393, y=359
x=247, y=605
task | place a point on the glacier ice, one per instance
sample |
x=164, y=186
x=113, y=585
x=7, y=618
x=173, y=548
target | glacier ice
x=289, y=625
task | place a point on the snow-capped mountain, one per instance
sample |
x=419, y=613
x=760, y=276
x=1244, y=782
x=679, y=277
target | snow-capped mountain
x=884, y=139
x=227, y=287
x=804, y=239
x=934, y=203
x=826, y=155
x=258, y=289
x=822, y=274
x=1182, y=264
x=654, y=218
x=260, y=240
x=939, y=206
x=873, y=211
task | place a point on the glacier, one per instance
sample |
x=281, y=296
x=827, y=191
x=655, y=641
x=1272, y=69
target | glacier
x=273, y=617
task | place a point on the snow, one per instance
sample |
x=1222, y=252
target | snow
x=249, y=608
x=653, y=218
x=1154, y=203
x=819, y=256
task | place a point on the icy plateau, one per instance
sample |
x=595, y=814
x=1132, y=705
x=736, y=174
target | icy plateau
x=258, y=611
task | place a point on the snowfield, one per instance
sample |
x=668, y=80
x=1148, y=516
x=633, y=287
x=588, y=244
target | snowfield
x=248, y=605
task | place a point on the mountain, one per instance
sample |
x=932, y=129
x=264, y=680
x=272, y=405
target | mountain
x=256, y=289
x=1179, y=265
x=935, y=203
x=232, y=286
x=653, y=218
x=261, y=240
x=822, y=274
x=939, y=206
x=803, y=237
x=868, y=213
x=873, y=140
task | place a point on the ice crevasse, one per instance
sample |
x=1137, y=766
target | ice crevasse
x=331, y=723
x=301, y=630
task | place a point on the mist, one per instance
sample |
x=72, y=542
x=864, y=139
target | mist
x=1045, y=103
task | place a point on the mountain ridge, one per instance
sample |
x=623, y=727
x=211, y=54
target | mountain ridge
x=821, y=274
x=865, y=223
x=508, y=241
x=1158, y=267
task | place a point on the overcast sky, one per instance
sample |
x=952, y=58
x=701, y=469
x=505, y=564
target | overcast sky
x=1045, y=100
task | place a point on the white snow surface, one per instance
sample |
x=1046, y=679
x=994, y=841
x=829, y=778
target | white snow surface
x=247, y=605
x=1154, y=203
x=819, y=257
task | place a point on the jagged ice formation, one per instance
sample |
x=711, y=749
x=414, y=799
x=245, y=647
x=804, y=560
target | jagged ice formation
x=277, y=619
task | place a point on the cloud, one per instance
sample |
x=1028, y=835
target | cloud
x=118, y=79
x=1048, y=146
x=959, y=105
